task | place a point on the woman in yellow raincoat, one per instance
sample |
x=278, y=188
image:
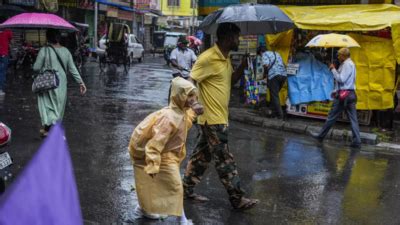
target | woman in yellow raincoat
x=157, y=147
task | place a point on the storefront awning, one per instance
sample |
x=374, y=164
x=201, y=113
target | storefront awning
x=119, y=6
x=344, y=17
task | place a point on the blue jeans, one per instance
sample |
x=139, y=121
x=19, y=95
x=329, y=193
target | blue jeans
x=349, y=105
x=3, y=71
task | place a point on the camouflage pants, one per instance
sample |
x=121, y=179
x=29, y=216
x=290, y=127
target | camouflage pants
x=213, y=144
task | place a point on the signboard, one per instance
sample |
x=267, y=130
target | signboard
x=292, y=68
x=248, y=44
x=148, y=19
x=155, y=4
x=68, y=3
x=125, y=15
x=142, y=4
x=112, y=12
x=320, y=110
x=22, y=2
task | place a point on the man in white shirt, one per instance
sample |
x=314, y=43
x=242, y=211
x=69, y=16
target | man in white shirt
x=182, y=59
x=345, y=77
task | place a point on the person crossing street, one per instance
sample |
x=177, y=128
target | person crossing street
x=214, y=76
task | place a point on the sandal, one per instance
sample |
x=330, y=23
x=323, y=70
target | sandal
x=246, y=203
x=43, y=133
x=197, y=198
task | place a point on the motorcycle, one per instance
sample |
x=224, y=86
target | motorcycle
x=26, y=56
x=5, y=158
x=81, y=55
x=167, y=53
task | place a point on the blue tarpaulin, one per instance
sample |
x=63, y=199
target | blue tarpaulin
x=313, y=82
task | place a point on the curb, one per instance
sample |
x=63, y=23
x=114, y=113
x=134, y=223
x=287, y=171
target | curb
x=241, y=115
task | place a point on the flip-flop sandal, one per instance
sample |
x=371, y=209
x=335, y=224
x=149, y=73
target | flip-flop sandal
x=197, y=198
x=43, y=133
x=247, y=204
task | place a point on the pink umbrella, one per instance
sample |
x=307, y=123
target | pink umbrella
x=37, y=20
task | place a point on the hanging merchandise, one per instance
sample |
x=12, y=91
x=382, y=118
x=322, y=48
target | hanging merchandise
x=50, y=5
x=251, y=87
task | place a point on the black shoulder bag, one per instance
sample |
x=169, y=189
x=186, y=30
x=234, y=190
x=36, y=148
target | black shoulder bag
x=48, y=79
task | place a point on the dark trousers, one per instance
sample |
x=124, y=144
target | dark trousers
x=3, y=71
x=213, y=144
x=275, y=85
x=348, y=105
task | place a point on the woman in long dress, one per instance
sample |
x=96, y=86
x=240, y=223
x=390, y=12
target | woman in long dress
x=52, y=103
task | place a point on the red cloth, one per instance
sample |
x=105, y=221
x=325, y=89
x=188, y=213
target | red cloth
x=5, y=38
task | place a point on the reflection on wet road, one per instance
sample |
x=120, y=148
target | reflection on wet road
x=297, y=180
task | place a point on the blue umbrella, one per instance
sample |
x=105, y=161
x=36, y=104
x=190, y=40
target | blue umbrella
x=251, y=18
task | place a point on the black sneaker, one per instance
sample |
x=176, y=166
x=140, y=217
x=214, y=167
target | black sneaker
x=317, y=137
x=355, y=145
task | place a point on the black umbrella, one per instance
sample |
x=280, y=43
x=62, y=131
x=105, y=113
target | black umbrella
x=251, y=18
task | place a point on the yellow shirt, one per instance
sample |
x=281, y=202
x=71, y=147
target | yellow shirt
x=213, y=74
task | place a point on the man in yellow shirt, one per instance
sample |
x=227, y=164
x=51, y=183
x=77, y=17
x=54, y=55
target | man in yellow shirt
x=214, y=77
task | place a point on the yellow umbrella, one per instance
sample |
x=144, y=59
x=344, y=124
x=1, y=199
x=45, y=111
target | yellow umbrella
x=332, y=40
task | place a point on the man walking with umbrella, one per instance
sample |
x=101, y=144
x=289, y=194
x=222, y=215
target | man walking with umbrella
x=344, y=99
x=214, y=77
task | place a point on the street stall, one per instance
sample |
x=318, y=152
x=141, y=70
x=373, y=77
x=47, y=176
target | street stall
x=376, y=28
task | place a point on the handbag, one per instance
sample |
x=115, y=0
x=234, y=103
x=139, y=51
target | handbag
x=48, y=79
x=341, y=95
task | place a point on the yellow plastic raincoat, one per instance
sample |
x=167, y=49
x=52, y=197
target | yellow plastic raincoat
x=157, y=146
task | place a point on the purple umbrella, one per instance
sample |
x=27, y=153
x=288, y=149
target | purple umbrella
x=37, y=20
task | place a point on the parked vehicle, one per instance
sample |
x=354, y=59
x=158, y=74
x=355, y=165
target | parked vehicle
x=158, y=41
x=25, y=57
x=5, y=158
x=135, y=48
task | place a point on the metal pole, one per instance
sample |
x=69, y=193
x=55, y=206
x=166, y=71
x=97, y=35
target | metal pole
x=194, y=14
x=96, y=14
x=134, y=18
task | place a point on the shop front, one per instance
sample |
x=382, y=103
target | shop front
x=375, y=27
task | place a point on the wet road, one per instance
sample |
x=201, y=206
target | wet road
x=297, y=180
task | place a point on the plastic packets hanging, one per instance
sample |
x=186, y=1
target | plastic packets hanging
x=251, y=87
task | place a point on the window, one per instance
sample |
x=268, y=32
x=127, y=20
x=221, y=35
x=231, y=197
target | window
x=174, y=2
x=133, y=39
x=193, y=4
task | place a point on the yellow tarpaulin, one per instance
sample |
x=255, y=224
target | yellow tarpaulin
x=376, y=66
x=344, y=17
x=281, y=43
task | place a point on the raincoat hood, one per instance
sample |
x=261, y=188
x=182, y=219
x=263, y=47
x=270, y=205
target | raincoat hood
x=180, y=89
